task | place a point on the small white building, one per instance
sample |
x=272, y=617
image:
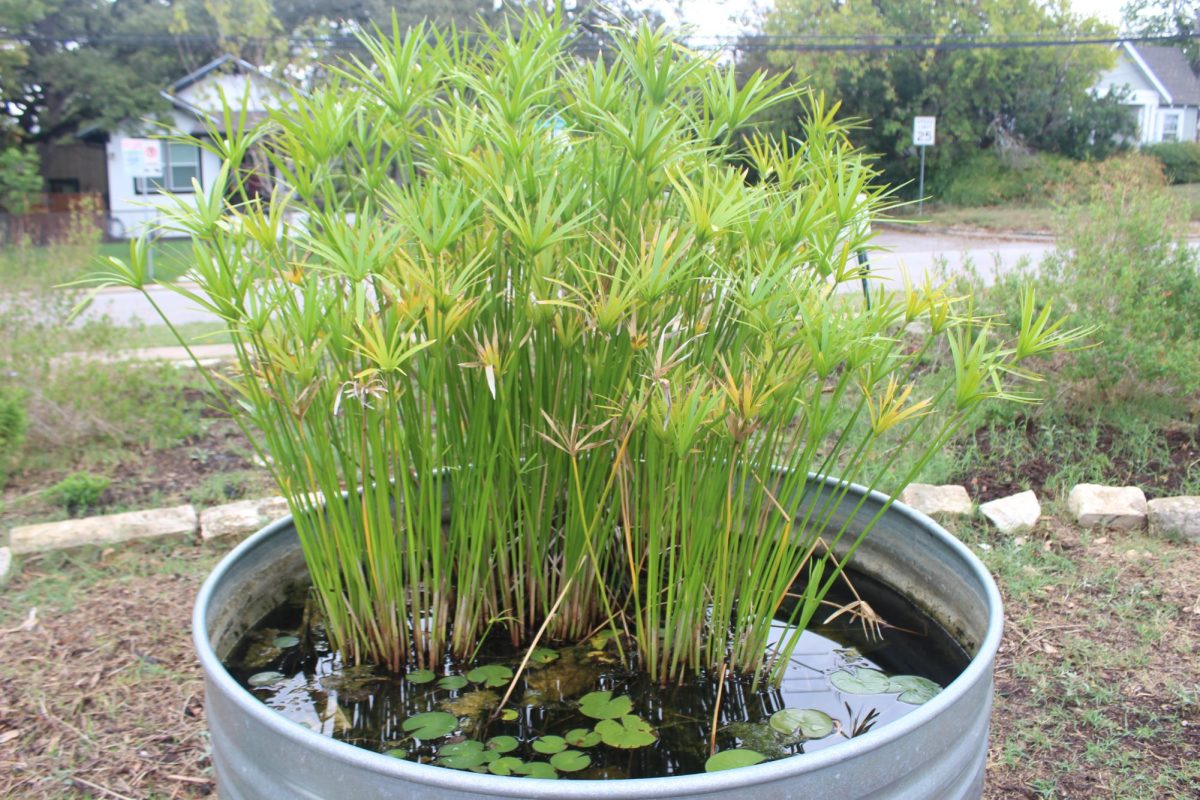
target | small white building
x=1162, y=92
x=135, y=202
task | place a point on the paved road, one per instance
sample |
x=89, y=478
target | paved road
x=916, y=253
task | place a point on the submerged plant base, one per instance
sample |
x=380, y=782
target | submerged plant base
x=580, y=711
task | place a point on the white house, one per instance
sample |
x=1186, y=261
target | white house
x=1163, y=93
x=134, y=202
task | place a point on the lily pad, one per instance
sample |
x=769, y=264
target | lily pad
x=396, y=752
x=420, y=676
x=430, y=725
x=461, y=755
x=807, y=722
x=582, y=737
x=543, y=655
x=602, y=705
x=509, y=715
x=452, y=682
x=627, y=733
x=491, y=675
x=549, y=744
x=733, y=759
x=914, y=689
x=861, y=681
x=537, y=769
x=283, y=642
x=506, y=765
x=570, y=761
x=503, y=744
x=265, y=678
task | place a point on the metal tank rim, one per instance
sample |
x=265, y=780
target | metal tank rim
x=978, y=669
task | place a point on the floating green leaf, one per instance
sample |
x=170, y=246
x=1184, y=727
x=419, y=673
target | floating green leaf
x=627, y=733
x=284, y=642
x=549, y=744
x=420, y=676
x=430, y=725
x=503, y=744
x=491, y=675
x=452, y=682
x=570, y=761
x=461, y=755
x=914, y=689
x=602, y=705
x=733, y=759
x=264, y=678
x=396, y=752
x=543, y=655
x=582, y=737
x=862, y=681
x=506, y=765
x=537, y=769
x=509, y=715
x=807, y=722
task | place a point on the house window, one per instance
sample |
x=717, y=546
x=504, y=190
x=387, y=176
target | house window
x=181, y=163
x=1170, y=126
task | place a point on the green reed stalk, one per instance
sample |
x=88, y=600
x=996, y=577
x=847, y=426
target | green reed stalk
x=532, y=353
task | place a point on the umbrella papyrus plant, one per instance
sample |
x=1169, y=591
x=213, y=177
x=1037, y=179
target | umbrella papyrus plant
x=570, y=368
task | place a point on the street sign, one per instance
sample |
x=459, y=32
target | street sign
x=924, y=130
x=142, y=158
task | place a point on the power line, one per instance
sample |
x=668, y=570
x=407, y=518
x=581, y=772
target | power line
x=794, y=43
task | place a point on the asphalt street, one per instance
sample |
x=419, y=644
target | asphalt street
x=916, y=253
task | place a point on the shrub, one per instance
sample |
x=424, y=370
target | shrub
x=78, y=492
x=988, y=178
x=20, y=179
x=1180, y=160
x=13, y=423
x=1123, y=263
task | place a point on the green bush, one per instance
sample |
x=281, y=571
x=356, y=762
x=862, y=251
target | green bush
x=988, y=178
x=1180, y=160
x=1123, y=264
x=20, y=179
x=13, y=424
x=78, y=493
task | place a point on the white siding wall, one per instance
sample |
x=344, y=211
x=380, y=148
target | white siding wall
x=132, y=212
x=1142, y=98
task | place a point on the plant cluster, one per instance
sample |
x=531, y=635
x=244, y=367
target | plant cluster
x=78, y=492
x=1180, y=160
x=568, y=368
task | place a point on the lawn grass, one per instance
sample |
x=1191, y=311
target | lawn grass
x=1013, y=219
x=171, y=257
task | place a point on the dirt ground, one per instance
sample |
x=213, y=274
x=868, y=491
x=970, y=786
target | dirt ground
x=1097, y=685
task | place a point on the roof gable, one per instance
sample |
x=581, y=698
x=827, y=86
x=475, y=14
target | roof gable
x=1169, y=67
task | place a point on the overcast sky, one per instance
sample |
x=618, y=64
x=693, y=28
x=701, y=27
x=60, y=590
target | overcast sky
x=714, y=17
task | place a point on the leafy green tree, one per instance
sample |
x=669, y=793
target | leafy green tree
x=982, y=97
x=1178, y=18
x=20, y=179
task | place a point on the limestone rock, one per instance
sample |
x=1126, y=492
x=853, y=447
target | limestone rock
x=108, y=529
x=242, y=517
x=1120, y=507
x=950, y=500
x=1175, y=516
x=5, y=564
x=1013, y=514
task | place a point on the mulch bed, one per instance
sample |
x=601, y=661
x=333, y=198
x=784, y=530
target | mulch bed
x=993, y=475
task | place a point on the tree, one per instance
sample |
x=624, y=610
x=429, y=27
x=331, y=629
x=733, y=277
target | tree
x=1033, y=96
x=20, y=179
x=1178, y=18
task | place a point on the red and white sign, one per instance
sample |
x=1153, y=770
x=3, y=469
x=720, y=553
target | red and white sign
x=142, y=158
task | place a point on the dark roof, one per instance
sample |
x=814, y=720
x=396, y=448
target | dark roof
x=1171, y=67
x=212, y=66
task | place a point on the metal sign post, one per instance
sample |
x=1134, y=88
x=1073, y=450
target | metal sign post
x=924, y=133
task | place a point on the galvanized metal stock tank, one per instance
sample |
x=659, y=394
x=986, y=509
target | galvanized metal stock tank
x=936, y=751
